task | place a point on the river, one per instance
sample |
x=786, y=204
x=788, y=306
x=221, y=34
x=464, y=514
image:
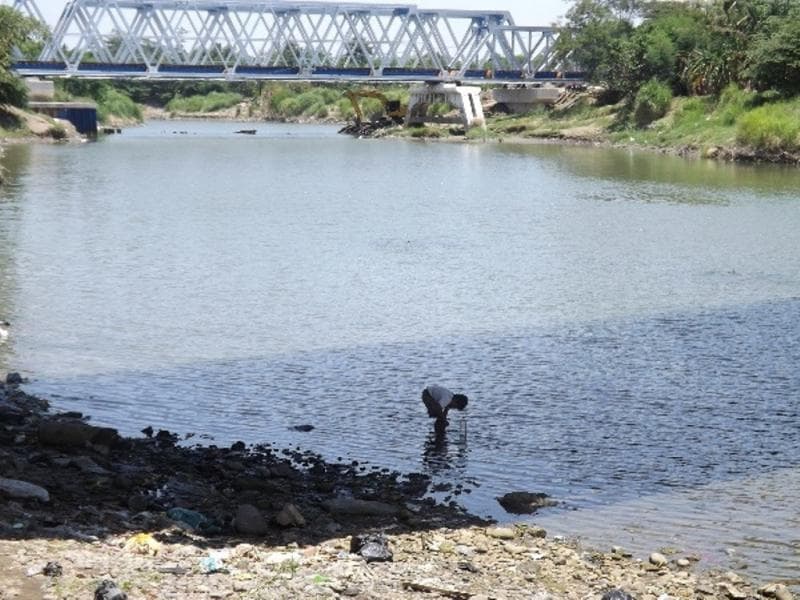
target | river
x=626, y=324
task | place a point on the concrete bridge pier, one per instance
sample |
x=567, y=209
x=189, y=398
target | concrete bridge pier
x=445, y=103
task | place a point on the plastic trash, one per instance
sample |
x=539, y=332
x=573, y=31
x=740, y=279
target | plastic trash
x=188, y=517
x=213, y=563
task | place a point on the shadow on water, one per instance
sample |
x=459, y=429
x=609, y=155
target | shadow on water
x=596, y=414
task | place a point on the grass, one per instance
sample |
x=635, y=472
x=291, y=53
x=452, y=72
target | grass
x=113, y=103
x=774, y=127
x=207, y=103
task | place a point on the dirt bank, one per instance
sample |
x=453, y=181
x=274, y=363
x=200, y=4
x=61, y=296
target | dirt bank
x=162, y=520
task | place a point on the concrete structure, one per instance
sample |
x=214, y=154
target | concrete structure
x=39, y=89
x=519, y=100
x=445, y=103
x=83, y=115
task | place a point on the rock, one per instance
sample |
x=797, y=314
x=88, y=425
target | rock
x=14, y=379
x=732, y=591
x=108, y=590
x=704, y=590
x=73, y=433
x=289, y=516
x=87, y=465
x=733, y=577
x=658, y=559
x=535, y=531
x=22, y=490
x=303, y=428
x=250, y=521
x=783, y=593
x=53, y=569
x=138, y=502
x=617, y=594
x=373, y=547
x=775, y=590
x=354, y=506
x=501, y=533
x=683, y=562
x=524, y=503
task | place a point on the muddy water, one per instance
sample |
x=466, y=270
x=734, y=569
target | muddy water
x=627, y=326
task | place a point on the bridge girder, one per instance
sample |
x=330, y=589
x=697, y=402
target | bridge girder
x=308, y=36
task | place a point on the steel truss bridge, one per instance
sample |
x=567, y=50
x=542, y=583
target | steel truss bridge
x=274, y=39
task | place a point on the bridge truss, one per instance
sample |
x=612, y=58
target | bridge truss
x=272, y=39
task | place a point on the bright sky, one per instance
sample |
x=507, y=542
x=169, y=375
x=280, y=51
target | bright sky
x=525, y=12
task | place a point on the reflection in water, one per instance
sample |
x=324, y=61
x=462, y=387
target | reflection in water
x=14, y=161
x=708, y=181
x=443, y=457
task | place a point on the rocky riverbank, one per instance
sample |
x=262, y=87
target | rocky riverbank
x=155, y=519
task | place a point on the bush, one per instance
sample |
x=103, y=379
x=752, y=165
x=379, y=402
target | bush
x=733, y=102
x=57, y=132
x=651, y=103
x=114, y=103
x=210, y=102
x=774, y=127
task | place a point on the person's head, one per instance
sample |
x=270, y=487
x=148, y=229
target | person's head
x=459, y=401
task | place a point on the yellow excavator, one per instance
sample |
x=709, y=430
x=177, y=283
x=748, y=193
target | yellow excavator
x=394, y=112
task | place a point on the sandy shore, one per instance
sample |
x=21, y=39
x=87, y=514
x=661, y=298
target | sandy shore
x=156, y=519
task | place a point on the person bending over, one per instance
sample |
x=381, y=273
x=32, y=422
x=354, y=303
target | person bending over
x=438, y=400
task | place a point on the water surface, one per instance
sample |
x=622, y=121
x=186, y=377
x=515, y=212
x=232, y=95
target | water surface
x=626, y=325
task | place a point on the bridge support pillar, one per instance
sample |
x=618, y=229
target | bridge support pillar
x=445, y=103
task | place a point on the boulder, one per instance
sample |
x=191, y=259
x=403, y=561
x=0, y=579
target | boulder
x=22, y=490
x=373, y=547
x=74, y=433
x=14, y=379
x=289, y=516
x=250, y=521
x=356, y=507
x=524, y=503
x=617, y=594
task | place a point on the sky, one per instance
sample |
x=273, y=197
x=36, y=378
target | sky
x=525, y=12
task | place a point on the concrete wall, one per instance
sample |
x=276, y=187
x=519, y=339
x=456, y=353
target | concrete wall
x=525, y=99
x=39, y=89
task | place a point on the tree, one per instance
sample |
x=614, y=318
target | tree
x=597, y=38
x=774, y=56
x=16, y=31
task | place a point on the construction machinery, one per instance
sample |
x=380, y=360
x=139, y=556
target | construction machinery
x=394, y=113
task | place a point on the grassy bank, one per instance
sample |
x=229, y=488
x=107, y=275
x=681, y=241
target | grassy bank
x=737, y=124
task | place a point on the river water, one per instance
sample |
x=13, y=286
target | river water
x=626, y=325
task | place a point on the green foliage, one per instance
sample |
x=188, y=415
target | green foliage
x=596, y=38
x=16, y=31
x=57, y=132
x=772, y=127
x=425, y=132
x=651, y=103
x=696, y=48
x=733, y=102
x=114, y=103
x=774, y=55
x=203, y=104
x=12, y=89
